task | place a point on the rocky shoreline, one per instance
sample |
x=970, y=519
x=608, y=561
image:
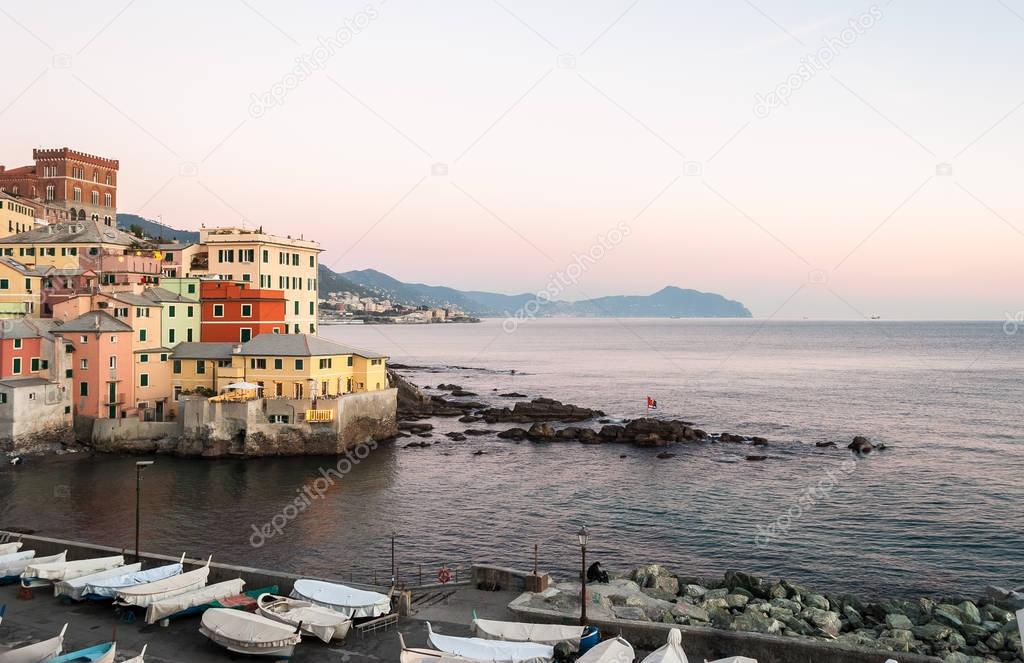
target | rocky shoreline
x=414, y=405
x=954, y=629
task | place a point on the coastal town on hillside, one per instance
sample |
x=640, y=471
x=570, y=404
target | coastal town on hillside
x=113, y=336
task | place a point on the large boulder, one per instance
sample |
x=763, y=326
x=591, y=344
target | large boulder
x=827, y=621
x=756, y=622
x=541, y=431
x=861, y=445
x=684, y=612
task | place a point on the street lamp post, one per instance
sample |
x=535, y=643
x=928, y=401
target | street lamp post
x=139, y=466
x=583, y=535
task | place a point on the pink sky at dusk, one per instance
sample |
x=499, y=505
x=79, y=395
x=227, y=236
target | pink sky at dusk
x=829, y=207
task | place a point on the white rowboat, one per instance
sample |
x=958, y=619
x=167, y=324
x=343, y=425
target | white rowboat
x=316, y=620
x=141, y=658
x=40, y=651
x=37, y=573
x=14, y=568
x=107, y=588
x=246, y=633
x=491, y=650
x=353, y=603
x=738, y=659
x=429, y=655
x=142, y=596
x=546, y=634
x=8, y=548
x=172, y=606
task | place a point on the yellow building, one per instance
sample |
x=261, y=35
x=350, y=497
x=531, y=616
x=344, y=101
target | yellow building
x=62, y=244
x=268, y=262
x=300, y=366
x=15, y=216
x=21, y=289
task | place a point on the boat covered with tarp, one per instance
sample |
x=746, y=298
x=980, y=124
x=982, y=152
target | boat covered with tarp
x=491, y=650
x=142, y=596
x=351, y=602
x=416, y=655
x=40, y=651
x=107, y=588
x=38, y=573
x=615, y=650
x=546, y=634
x=738, y=659
x=246, y=633
x=75, y=587
x=316, y=620
x=10, y=547
x=141, y=658
x=194, y=601
x=104, y=653
x=672, y=652
x=14, y=566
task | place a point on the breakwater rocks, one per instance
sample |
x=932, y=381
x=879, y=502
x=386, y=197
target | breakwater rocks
x=956, y=630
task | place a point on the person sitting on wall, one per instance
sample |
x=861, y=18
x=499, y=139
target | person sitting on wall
x=596, y=574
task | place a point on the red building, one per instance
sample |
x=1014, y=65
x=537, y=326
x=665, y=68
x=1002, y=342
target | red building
x=235, y=312
x=26, y=349
x=83, y=185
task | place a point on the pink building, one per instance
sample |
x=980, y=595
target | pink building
x=103, y=381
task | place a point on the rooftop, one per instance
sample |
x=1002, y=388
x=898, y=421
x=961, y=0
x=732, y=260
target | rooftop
x=300, y=345
x=165, y=295
x=23, y=382
x=203, y=350
x=76, y=232
x=93, y=321
x=27, y=328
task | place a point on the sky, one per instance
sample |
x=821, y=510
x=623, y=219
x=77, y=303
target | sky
x=764, y=150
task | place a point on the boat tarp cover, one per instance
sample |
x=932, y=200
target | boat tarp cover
x=175, y=604
x=75, y=587
x=547, y=634
x=671, y=652
x=15, y=557
x=109, y=587
x=8, y=548
x=16, y=567
x=738, y=659
x=615, y=650
x=246, y=629
x=144, y=595
x=492, y=650
x=105, y=653
x=69, y=570
x=353, y=603
x=41, y=651
x=318, y=620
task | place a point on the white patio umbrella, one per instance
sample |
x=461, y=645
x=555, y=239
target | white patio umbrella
x=243, y=385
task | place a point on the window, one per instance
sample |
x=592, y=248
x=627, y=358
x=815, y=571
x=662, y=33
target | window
x=170, y=336
x=188, y=334
x=245, y=334
x=200, y=367
x=113, y=339
x=298, y=364
x=258, y=364
x=144, y=379
x=16, y=366
x=35, y=364
x=51, y=192
x=142, y=335
x=266, y=256
x=170, y=311
x=189, y=312
x=5, y=284
x=84, y=365
x=177, y=366
x=375, y=362
x=143, y=358
x=163, y=356
x=223, y=363
x=296, y=307
x=350, y=360
x=246, y=310
x=218, y=310
x=113, y=361
x=191, y=288
x=278, y=364
x=247, y=255
x=83, y=388
x=247, y=277
x=3, y=399
x=69, y=373
x=77, y=194
x=278, y=418
x=95, y=197
x=295, y=259
x=17, y=344
x=325, y=363
x=83, y=339
x=312, y=261
x=107, y=199
x=312, y=308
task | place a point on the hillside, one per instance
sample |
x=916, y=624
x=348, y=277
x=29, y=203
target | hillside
x=156, y=230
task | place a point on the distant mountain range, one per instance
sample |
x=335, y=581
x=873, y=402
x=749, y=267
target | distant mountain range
x=669, y=302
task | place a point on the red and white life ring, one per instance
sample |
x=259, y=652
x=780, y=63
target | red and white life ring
x=444, y=576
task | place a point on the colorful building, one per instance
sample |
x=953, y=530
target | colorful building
x=83, y=184
x=60, y=245
x=21, y=289
x=103, y=384
x=189, y=287
x=179, y=316
x=35, y=394
x=284, y=365
x=266, y=261
x=15, y=216
x=237, y=312
x=153, y=383
x=178, y=258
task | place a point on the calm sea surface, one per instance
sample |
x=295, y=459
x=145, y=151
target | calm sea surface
x=941, y=511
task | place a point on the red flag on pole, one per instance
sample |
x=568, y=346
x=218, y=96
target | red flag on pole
x=651, y=403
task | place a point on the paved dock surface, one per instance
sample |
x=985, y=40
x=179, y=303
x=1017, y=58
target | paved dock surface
x=449, y=611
